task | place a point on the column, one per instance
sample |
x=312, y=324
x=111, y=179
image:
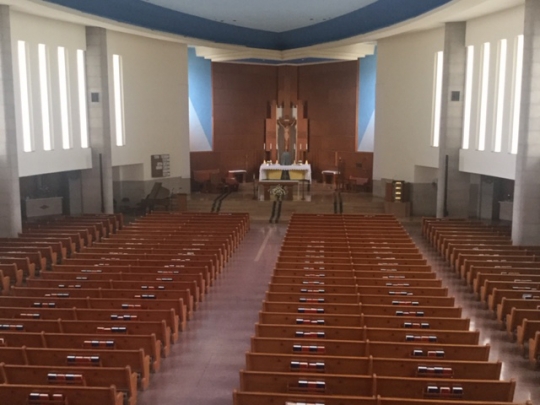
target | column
x=97, y=183
x=451, y=181
x=526, y=212
x=10, y=199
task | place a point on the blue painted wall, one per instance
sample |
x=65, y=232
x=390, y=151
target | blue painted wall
x=200, y=91
x=366, y=100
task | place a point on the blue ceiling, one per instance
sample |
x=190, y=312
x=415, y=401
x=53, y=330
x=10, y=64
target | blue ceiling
x=377, y=15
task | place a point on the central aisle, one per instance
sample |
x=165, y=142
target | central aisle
x=203, y=366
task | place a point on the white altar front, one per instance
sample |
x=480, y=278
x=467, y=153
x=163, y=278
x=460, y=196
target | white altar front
x=296, y=172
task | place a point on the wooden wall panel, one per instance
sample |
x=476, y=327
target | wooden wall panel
x=241, y=95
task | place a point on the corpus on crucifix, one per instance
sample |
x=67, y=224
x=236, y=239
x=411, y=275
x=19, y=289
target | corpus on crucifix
x=286, y=123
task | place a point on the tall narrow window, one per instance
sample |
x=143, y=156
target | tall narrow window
x=118, y=100
x=44, y=93
x=437, y=98
x=468, y=98
x=516, y=108
x=81, y=86
x=501, y=83
x=484, y=91
x=25, y=97
x=64, y=97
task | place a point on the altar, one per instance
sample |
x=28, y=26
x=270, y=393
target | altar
x=296, y=172
x=297, y=187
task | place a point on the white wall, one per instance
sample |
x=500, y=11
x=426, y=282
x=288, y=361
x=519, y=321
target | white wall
x=504, y=25
x=405, y=71
x=155, y=105
x=405, y=93
x=34, y=31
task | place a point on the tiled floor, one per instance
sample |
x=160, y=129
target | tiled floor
x=203, y=366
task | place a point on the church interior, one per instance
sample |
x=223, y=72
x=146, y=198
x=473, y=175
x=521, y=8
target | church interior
x=289, y=203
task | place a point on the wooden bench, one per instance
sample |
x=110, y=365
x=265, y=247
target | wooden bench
x=23, y=263
x=526, y=331
x=497, y=295
x=141, y=295
x=121, y=377
x=267, y=398
x=63, y=340
x=467, y=370
x=517, y=316
x=506, y=305
x=534, y=350
x=523, y=261
x=505, y=276
x=41, y=256
x=490, y=285
x=376, y=321
x=62, y=246
x=138, y=361
x=145, y=286
x=5, y=280
x=81, y=314
x=52, y=251
x=472, y=390
x=365, y=333
x=501, y=268
x=16, y=394
x=451, y=245
x=120, y=305
x=116, y=329
x=164, y=279
x=391, y=350
x=158, y=272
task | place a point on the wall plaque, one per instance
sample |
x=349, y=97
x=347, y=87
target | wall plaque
x=161, y=166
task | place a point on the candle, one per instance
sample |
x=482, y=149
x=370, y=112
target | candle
x=270, y=146
x=264, y=146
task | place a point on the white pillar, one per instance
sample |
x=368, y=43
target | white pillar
x=526, y=214
x=98, y=181
x=10, y=202
x=455, y=182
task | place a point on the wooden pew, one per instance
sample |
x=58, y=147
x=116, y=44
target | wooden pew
x=411, y=310
x=497, y=295
x=141, y=295
x=62, y=246
x=87, y=234
x=267, y=398
x=22, y=263
x=508, y=267
x=136, y=359
x=147, y=286
x=451, y=245
x=472, y=390
x=520, y=261
x=455, y=259
x=506, y=305
x=81, y=314
x=164, y=279
x=466, y=261
x=121, y=377
x=394, y=350
x=164, y=265
x=517, y=316
x=376, y=321
x=40, y=255
x=53, y=251
x=117, y=329
x=324, y=332
x=75, y=237
x=534, y=350
x=466, y=370
x=5, y=281
x=490, y=285
x=109, y=341
x=526, y=331
x=119, y=305
x=526, y=276
x=166, y=271
x=15, y=394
